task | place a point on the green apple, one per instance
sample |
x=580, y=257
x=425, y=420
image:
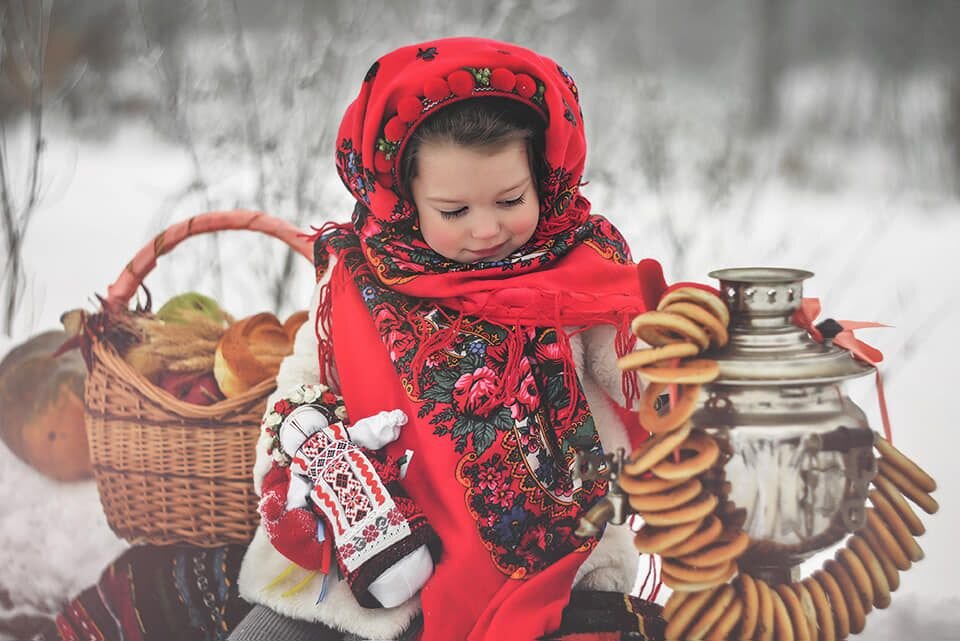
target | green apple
x=175, y=310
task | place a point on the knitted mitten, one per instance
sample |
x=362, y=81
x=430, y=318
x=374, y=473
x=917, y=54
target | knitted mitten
x=292, y=531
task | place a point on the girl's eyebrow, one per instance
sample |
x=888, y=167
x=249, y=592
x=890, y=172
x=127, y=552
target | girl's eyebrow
x=453, y=201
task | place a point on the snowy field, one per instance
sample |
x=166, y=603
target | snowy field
x=883, y=248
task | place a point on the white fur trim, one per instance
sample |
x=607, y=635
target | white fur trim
x=611, y=566
x=339, y=608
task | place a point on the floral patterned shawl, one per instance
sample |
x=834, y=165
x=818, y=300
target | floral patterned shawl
x=476, y=354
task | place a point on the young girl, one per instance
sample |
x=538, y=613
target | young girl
x=475, y=292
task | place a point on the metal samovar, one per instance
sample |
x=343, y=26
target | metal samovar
x=796, y=452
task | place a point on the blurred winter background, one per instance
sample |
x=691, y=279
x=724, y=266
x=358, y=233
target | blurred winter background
x=820, y=134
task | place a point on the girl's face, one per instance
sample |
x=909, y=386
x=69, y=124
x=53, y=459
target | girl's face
x=475, y=204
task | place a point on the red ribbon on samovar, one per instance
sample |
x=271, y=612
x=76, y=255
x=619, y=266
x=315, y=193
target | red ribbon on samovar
x=805, y=317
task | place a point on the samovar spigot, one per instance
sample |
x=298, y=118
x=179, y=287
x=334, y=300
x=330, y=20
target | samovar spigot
x=614, y=507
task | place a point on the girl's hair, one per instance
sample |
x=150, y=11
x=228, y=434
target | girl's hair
x=479, y=122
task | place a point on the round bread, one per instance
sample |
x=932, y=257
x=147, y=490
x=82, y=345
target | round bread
x=699, y=296
x=712, y=613
x=723, y=550
x=648, y=356
x=897, y=527
x=690, y=606
x=783, y=627
x=673, y=604
x=662, y=328
x=849, y=594
x=798, y=620
x=907, y=467
x=717, y=330
x=249, y=352
x=652, y=540
x=765, y=628
x=654, y=449
x=881, y=589
x=725, y=624
x=695, y=510
x=685, y=572
x=889, y=544
x=907, y=487
x=838, y=605
x=706, y=452
x=680, y=410
x=637, y=485
x=697, y=370
x=861, y=579
x=821, y=605
x=889, y=569
x=680, y=585
x=900, y=504
x=708, y=531
x=809, y=611
x=666, y=500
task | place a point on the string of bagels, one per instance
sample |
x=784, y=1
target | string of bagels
x=673, y=483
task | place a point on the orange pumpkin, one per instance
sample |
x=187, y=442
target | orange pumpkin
x=41, y=407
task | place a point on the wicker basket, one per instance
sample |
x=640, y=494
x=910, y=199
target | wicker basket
x=169, y=471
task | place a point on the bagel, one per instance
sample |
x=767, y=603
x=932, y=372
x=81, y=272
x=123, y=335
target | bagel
x=695, y=510
x=849, y=594
x=679, y=585
x=724, y=550
x=838, y=605
x=698, y=370
x=886, y=540
x=648, y=356
x=861, y=579
x=881, y=589
x=673, y=604
x=903, y=463
x=707, y=532
x=809, y=611
x=716, y=329
x=710, y=301
x=661, y=328
x=765, y=627
x=712, y=613
x=783, y=627
x=821, y=606
x=681, y=408
x=706, y=452
x=670, y=499
x=751, y=606
x=907, y=487
x=638, y=485
x=801, y=631
x=900, y=504
x=683, y=615
x=651, y=539
x=654, y=449
x=897, y=527
x=889, y=569
x=695, y=574
x=726, y=623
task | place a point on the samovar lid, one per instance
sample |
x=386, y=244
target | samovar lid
x=765, y=347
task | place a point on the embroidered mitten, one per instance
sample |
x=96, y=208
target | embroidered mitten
x=381, y=551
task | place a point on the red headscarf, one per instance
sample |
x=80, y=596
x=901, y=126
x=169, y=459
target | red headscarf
x=476, y=353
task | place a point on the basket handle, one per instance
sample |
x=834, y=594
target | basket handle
x=120, y=292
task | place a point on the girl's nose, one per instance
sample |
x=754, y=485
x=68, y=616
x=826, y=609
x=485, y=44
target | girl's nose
x=486, y=225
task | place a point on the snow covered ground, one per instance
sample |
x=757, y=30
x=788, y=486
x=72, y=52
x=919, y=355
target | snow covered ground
x=881, y=250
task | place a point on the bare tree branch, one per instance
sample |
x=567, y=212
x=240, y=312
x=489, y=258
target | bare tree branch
x=24, y=38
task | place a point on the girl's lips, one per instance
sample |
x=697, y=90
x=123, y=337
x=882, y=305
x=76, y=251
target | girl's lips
x=491, y=251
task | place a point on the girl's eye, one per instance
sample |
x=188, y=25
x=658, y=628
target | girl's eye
x=456, y=213
x=519, y=200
